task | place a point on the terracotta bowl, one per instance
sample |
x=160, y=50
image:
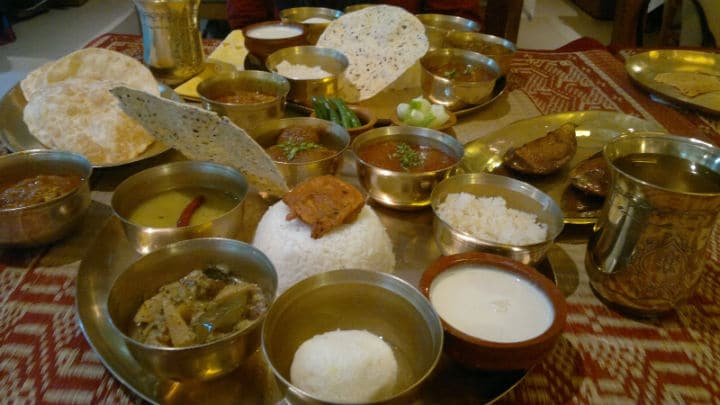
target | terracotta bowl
x=474, y=352
x=263, y=47
x=367, y=118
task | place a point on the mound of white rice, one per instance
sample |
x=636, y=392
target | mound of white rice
x=345, y=366
x=364, y=244
x=489, y=218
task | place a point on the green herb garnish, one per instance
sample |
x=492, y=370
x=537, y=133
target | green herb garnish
x=468, y=69
x=291, y=149
x=449, y=73
x=407, y=156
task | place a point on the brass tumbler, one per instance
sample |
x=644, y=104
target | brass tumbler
x=172, y=43
x=648, y=249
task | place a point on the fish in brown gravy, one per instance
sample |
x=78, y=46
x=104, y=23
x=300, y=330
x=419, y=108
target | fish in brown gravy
x=591, y=176
x=299, y=144
x=546, y=154
x=324, y=203
x=298, y=133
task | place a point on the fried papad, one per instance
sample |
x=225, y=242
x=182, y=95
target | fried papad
x=203, y=135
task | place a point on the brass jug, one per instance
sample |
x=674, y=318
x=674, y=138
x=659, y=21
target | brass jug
x=647, y=251
x=172, y=43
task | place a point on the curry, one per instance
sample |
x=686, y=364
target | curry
x=245, y=97
x=183, y=207
x=462, y=72
x=405, y=157
x=36, y=190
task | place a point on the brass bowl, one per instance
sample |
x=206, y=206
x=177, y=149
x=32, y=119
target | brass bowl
x=262, y=47
x=367, y=118
x=454, y=94
x=150, y=182
x=142, y=279
x=245, y=115
x=332, y=136
x=302, y=90
x=479, y=353
x=377, y=302
x=300, y=15
x=517, y=194
x=47, y=222
x=403, y=190
x=437, y=26
x=499, y=49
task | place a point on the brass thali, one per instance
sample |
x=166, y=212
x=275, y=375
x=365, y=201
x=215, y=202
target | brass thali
x=253, y=383
x=643, y=67
x=14, y=134
x=594, y=129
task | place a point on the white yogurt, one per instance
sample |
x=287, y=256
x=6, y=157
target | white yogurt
x=491, y=304
x=274, y=32
x=316, y=20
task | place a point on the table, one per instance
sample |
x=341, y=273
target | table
x=603, y=357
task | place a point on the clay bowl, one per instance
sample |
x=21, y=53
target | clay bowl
x=264, y=38
x=521, y=313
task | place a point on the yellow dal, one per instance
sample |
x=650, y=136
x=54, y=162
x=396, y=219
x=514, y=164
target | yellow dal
x=164, y=209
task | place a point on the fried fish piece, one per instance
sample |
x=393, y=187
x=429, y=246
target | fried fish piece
x=591, y=176
x=546, y=154
x=324, y=203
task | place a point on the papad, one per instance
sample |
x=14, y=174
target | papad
x=380, y=42
x=203, y=135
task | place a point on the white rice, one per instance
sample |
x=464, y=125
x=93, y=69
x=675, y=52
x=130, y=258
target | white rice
x=349, y=366
x=364, y=244
x=489, y=218
x=301, y=72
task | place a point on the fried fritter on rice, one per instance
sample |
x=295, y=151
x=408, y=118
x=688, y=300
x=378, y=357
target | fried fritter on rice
x=324, y=203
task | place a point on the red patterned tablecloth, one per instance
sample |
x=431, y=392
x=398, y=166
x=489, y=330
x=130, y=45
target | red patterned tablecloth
x=603, y=358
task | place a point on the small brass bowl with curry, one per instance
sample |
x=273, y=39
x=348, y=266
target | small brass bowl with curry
x=400, y=165
x=303, y=147
x=457, y=78
x=44, y=195
x=246, y=97
x=178, y=201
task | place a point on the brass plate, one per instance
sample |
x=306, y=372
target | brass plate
x=14, y=134
x=643, y=67
x=594, y=129
x=253, y=383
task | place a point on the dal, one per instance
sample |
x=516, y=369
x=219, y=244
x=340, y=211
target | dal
x=164, y=209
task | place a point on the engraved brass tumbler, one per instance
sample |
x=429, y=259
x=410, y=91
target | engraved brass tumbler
x=172, y=43
x=648, y=249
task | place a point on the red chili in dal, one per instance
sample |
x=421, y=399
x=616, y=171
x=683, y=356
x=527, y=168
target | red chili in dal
x=405, y=157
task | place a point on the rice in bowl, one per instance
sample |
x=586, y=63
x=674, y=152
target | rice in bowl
x=363, y=244
x=489, y=218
